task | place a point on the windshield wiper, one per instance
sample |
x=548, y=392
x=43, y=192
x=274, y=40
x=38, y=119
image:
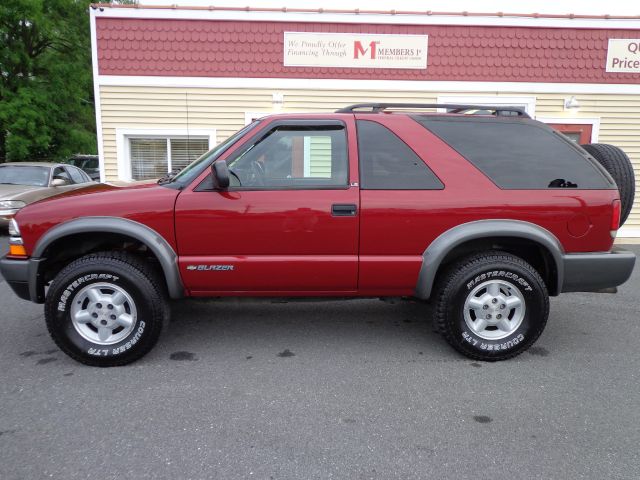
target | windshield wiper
x=168, y=177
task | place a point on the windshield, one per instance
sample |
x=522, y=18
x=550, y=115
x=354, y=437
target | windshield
x=191, y=171
x=24, y=175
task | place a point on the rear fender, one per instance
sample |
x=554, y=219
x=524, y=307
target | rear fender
x=436, y=252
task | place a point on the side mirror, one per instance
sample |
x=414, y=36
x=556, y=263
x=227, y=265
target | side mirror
x=220, y=175
x=58, y=182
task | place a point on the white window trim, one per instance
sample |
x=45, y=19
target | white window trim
x=593, y=121
x=307, y=157
x=528, y=102
x=122, y=143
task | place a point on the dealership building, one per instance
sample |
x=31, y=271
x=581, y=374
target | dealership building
x=172, y=82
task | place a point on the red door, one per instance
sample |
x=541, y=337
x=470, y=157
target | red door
x=579, y=133
x=288, y=224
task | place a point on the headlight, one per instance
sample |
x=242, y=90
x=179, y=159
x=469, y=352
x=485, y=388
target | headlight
x=13, y=204
x=14, y=231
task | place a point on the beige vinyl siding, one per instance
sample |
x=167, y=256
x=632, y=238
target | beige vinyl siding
x=224, y=110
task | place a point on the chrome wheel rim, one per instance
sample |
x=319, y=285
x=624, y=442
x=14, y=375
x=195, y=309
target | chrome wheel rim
x=494, y=309
x=103, y=313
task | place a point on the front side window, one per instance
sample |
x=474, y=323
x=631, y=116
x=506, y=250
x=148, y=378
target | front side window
x=154, y=157
x=76, y=175
x=293, y=157
x=517, y=154
x=387, y=163
x=60, y=173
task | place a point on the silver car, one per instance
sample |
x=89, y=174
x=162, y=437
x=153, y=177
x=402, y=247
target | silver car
x=26, y=182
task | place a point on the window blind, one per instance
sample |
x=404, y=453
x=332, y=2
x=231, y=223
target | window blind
x=148, y=158
x=151, y=159
x=184, y=151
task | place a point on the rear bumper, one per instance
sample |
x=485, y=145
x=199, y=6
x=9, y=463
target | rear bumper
x=590, y=272
x=22, y=276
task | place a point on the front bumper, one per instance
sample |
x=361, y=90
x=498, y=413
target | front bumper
x=22, y=276
x=590, y=272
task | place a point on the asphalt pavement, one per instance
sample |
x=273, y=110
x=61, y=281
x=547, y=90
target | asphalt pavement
x=347, y=390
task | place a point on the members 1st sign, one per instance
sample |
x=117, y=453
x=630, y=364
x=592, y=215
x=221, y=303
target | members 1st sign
x=353, y=50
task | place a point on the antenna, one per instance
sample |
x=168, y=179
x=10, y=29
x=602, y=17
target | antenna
x=186, y=102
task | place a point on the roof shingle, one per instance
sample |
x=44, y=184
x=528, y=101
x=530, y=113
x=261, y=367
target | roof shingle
x=213, y=48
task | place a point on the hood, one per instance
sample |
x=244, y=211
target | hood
x=147, y=203
x=14, y=192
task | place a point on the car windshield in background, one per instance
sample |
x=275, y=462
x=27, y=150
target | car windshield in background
x=24, y=175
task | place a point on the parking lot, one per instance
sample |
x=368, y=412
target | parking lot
x=358, y=389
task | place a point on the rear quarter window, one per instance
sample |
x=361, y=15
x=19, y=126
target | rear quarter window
x=518, y=154
x=387, y=163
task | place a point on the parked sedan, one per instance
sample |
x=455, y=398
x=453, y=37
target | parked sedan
x=26, y=182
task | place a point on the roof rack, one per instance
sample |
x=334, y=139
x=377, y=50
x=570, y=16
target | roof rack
x=499, y=110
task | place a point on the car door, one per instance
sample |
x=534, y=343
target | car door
x=288, y=224
x=61, y=173
x=78, y=177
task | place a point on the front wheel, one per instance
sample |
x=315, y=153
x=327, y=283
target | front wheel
x=106, y=309
x=491, y=306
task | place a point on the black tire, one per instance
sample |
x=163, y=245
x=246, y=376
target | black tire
x=617, y=163
x=138, y=279
x=463, y=278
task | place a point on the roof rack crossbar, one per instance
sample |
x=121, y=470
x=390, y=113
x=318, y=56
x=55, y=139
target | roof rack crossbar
x=500, y=110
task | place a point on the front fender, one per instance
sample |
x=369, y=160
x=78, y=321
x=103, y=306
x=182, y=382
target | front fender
x=165, y=254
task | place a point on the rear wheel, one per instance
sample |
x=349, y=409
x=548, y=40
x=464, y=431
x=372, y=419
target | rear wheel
x=491, y=306
x=617, y=163
x=106, y=309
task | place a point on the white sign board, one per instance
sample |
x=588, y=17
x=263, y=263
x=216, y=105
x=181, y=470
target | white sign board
x=623, y=55
x=354, y=50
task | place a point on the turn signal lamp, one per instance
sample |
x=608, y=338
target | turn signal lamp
x=615, y=217
x=16, y=246
x=17, y=251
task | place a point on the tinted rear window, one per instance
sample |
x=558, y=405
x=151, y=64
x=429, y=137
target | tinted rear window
x=387, y=163
x=518, y=155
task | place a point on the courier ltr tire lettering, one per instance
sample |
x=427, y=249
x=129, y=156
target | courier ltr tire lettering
x=106, y=309
x=491, y=306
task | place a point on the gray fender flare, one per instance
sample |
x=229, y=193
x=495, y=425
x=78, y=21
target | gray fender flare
x=447, y=241
x=153, y=240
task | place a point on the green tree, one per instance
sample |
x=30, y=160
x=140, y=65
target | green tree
x=46, y=89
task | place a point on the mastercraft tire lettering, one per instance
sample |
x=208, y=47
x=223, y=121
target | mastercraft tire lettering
x=106, y=309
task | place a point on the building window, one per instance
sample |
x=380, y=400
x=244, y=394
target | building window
x=153, y=157
x=147, y=153
x=578, y=129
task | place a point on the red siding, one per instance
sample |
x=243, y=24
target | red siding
x=205, y=48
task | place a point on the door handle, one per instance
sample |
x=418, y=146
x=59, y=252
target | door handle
x=343, y=210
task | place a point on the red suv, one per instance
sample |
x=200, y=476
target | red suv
x=483, y=215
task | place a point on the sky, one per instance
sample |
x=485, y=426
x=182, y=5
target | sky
x=587, y=7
